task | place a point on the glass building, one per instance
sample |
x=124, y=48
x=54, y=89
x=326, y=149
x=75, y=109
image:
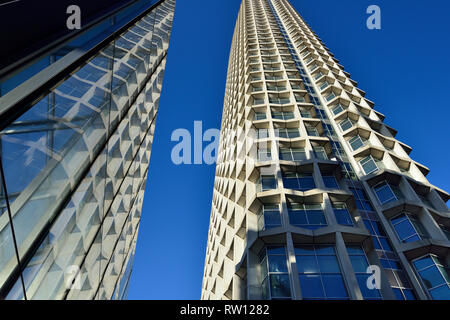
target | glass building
x=76, y=134
x=313, y=191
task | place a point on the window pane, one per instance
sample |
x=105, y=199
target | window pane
x=404, y=230
x=330, y=182
x=268, y=182
x=272, y=218
x=325, y=250
x=277, y=263
x=307, y=183
x=298, y=155
x=356, y=143
x=378, y=229
x=343, y=217
x=279, y=286
x=307, y=264
x=434, y=275
x=297, y=217
x=276, y=250
x=431, y=277
x=368, y=165
x=311, y=286
x=441, y=293
x=409, y=294
x=423, y=262
x=334, y=286
x=328, y=264
x=346, y=124
x=355, y=250
x=385, y=244
x=359, y=263
x=285, y=154
x=291, y=183
x=384, y=193
x=305, y=250
x=316, y=217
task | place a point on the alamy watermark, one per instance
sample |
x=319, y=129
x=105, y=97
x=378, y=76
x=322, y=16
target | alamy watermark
x=72, y=278
x=202, y=147
x=374, y=281
x=74, y=20
x=374, y=20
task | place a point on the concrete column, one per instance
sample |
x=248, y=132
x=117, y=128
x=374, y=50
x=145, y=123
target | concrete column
x=347, y=269
x=328, y=210
x=238, y=292
x=293, y=270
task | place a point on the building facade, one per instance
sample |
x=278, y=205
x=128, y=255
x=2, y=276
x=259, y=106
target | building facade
x=314, y=197
x=76, y=138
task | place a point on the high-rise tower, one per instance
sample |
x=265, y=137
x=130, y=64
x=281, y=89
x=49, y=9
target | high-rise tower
x=77, y=121
x=312, y=190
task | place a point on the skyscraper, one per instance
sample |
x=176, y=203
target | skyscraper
x=77, y=121
x=314, y=198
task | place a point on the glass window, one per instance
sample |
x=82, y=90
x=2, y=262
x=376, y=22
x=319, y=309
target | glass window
x=286, y=115
x=258, y=101
x=337, y=109
x=342, y=214
x=275, y=282
x=330, y=182
x=408, y=228
x=292, y=154
x=288, y=133
x=320, y=153
x=356, y=142
x=299, y=98
x=312, y=131
x=328, y=129
x=435, y=275
x=397, y=280
x=319, y=273
x=268, y=183
x=346, y=124
x=260, y=115
x=308, y=216
x=361, y=199
x=324, y=85
x=269, y=217
x=298, y=181
x=305, y=113
x=387, y=193
x=330, y=96
x=360, y=263
x=368, y=165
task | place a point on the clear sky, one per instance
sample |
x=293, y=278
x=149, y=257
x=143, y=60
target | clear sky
x=404, y=68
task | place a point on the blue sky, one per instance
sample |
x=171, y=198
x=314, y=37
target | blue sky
x=403, y=68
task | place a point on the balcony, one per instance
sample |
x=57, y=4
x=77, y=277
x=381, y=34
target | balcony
x=287, y=115
x=277, y=89
x=258, y=101
x=279, y=100
x=273, y=78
